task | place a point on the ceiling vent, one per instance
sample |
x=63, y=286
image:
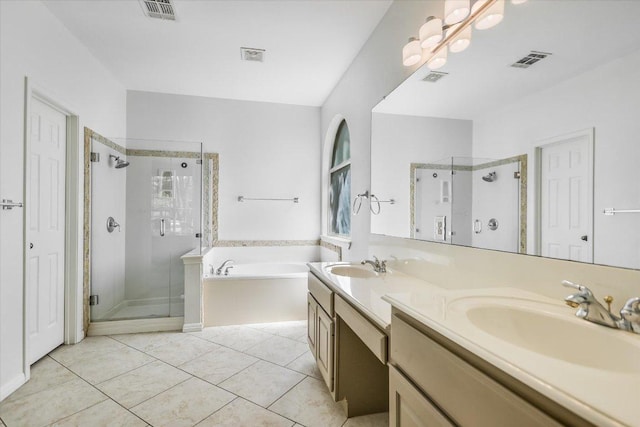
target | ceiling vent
x=434, y=76
x=252, y=54
x=160, y=9
x=530, y=59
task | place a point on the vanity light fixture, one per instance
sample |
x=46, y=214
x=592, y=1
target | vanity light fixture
x=431, y=32
x=455, y=11
x=491, y=17
x=455, y=34
x=411, y=52
x=461, y=40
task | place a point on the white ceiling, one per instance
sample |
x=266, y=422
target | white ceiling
x=309, y=45
x=580, y=34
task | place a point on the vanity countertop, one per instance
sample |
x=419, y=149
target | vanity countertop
x=600, y=390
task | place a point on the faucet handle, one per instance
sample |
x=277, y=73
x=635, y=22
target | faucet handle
x=568, y=284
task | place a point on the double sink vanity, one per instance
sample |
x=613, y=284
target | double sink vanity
x=437, y=354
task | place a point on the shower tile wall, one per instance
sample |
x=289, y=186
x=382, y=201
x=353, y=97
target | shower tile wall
x=108, y=189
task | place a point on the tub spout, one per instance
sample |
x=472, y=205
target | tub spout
x=224, y=264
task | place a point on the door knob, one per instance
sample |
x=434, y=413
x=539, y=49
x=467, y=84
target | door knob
x=584, y=238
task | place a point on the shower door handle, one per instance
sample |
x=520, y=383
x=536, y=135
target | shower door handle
x=162, y=227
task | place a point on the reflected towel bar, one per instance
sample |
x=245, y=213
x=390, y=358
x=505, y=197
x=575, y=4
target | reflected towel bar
x=294, y=200
x=613, y=211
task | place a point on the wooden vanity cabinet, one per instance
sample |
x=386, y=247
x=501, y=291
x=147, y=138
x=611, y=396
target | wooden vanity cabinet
x=320, y=328
x=431, y=376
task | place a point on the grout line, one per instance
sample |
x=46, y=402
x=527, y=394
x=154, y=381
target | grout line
x=217, y=410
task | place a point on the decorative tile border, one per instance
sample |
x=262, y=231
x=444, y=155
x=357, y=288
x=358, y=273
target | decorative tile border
x=263, y=243
x=101, y=139
x=161, y=153
x=522, y=159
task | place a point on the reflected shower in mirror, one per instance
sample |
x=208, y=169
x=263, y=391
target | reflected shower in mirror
x=560, y=133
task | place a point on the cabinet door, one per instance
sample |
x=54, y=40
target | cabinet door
x=408, y=407
x=312, y=324
x=325, y=347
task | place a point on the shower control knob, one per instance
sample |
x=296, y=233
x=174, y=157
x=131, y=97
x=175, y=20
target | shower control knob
x=584, y=238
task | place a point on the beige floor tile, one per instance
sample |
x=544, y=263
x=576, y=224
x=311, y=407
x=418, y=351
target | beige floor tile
x=108, y=365
x=105, y=414
x=45, y=373
x=218, y=365
x=148, y=341
x=242, y=413
x=279, y=350
x=50, y=405
x=309, y=403
x=182, y=350
x=295, y=330
x=262, y=382
x=86, y=349
x=183, y=405
x=306, y=364
x=236, y=337
x=374, y=420
x=143, y=383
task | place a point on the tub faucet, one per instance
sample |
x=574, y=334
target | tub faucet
x=589, y=308
x=224, y=264
x=378, y=266
x=226, y=270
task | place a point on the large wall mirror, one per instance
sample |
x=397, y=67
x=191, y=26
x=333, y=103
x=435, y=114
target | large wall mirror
x=541, y=159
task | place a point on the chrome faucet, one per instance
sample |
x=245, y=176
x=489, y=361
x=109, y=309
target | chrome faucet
x=378, y=266
x=222, y=266
x=588, y=306
x=226, y=270
x=630, y=314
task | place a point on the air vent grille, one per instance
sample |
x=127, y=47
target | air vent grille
x=252, y=54
x=160, y=9
x=530, y=59
x=434, y=76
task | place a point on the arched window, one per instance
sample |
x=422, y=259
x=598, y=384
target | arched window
x=340, y=184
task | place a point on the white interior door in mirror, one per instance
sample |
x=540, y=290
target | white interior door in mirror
x=45, y=229
x=566, y=198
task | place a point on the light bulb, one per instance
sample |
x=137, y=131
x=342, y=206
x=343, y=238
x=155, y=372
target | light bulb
x=455, y=11
x=438, y=59
x=411, y=52
x=431, y=32
x=461, y=41
x=490, y=17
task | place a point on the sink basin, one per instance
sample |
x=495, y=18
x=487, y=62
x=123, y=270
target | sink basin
x=556, y=333
x=354, y=271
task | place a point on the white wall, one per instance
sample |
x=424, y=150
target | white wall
x=397, y=141
x=34, y=43
x=374, y=73
x=606, y=98
x=266, y=151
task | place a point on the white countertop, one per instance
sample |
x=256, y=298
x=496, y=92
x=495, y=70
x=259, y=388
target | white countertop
x=601, y=394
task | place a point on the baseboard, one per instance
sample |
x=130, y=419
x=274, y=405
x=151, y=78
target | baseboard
x=11, y=386
x=115, y=327
x=192, y=327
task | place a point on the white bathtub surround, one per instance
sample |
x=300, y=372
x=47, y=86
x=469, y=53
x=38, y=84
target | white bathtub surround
x=255, y=293
x=193, y=273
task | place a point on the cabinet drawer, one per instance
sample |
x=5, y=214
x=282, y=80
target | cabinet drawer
x=467, y=395
x=408, y=407
x=371, y=336
x=321, y=293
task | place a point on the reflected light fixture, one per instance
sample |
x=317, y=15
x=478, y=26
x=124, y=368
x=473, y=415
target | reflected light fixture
x=411, y=52
x=461, y=41
x=490, y=17
x=431, y=32
x=455, y=11
x=438, y=59
x=518, y=1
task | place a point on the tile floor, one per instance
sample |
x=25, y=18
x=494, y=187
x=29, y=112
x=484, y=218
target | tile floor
x=253, y=375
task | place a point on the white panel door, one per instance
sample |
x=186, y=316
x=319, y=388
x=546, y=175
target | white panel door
x=45, y=224
x=566, y=198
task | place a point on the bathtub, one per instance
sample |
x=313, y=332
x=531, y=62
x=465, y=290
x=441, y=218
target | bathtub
x=256, y=293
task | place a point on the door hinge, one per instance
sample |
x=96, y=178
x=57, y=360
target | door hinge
x=95, y=157
x=198, y=235
x=516, y=175
x=94, y=300
x=199, y=162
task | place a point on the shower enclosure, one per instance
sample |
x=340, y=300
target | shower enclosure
x=146, y=205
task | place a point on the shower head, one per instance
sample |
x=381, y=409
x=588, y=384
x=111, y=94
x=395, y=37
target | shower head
x=119, y=162
x=490, y=177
